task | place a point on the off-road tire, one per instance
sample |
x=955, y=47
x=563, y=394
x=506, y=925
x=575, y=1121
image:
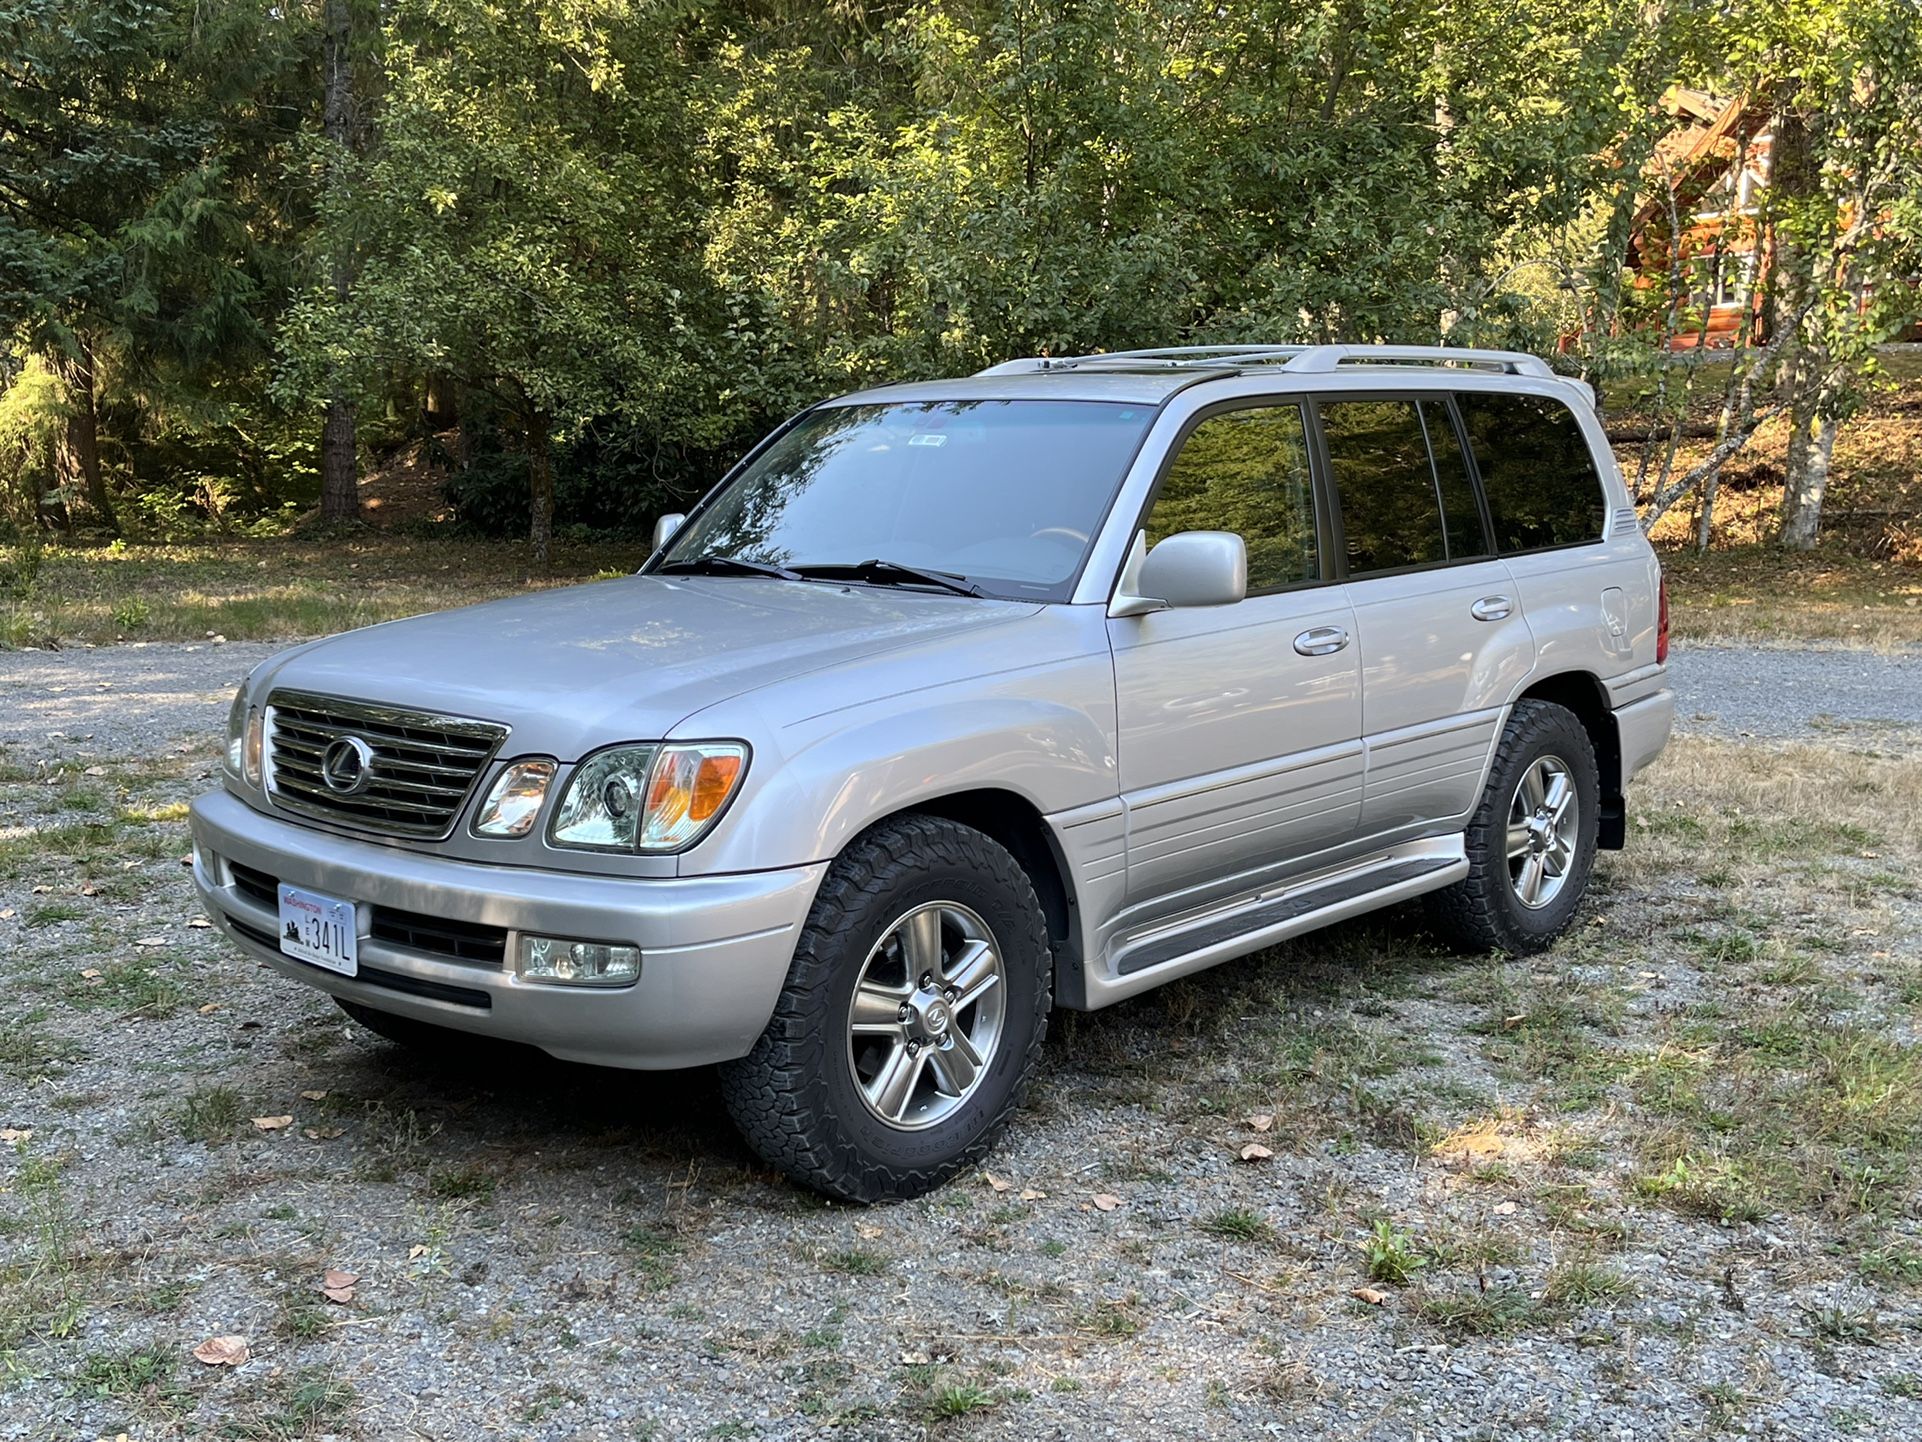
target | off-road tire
x=1481, y=912
x=794, y=1096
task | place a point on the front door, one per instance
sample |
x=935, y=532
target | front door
x=1439, y=620
x=1240, y=726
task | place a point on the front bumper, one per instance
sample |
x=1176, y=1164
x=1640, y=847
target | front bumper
x=714, y=949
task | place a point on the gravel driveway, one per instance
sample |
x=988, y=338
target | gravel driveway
x=1354, y=1188
x=130, y=697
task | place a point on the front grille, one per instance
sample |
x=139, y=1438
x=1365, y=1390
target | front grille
x=450, y=940
x=420, y=770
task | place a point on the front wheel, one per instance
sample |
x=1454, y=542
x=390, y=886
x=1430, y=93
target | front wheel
x=1531, y=842
x=912, y=1018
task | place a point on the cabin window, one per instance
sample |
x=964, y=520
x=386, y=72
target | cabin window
x=1537, y=473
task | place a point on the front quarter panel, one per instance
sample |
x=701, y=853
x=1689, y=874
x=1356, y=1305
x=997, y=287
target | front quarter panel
x=1027, y=708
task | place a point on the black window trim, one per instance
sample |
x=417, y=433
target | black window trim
x=1325, y=462
x=1475, y=472
x=1326, y=536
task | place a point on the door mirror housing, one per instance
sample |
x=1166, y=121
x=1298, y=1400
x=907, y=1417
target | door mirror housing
x=665, y=528
x=1190, y=568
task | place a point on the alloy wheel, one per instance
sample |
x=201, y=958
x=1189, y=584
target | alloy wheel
x=927, y=1015
x=1544, y=825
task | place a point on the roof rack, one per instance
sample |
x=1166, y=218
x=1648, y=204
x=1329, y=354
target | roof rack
x=1292, y=358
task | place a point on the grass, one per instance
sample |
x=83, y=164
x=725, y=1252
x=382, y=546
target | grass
x=273, y=589
x=1391, y=1254
x=209, y=1114
x=1238, y=1224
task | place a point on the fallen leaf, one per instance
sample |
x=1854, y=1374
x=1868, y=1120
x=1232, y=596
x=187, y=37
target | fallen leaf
x=1509, y=1023
x=996, y=1182
x=1369, y=1295
x=313, y=1096
x=273, y=1124
x=96, y=771
x=417, y=1251
x=1505, y=1209
x=865, y=1232
x=1029, y=1194
x=1255, y=1152
x=338, y=1286
x=89, y=890
x=43, y=891
x=7, y=913
x=90, y=973
x=915, y=1359
x=222, y=1351
x=200, y=923
x=16, y=1134
x=322, y=1134
x=210, y=1008
x=150, y=941
x=1261, y=1121
x=1104, y=1202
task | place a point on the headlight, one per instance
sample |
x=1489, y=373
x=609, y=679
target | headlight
x=236, y=731
x=514, y=801
x=245, y=739
x=648, y=798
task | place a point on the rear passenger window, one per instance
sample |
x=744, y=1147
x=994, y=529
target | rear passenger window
x=1389, y=486
x=1246, y=471
x=1537, y=473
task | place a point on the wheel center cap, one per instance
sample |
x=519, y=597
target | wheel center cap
x=934, y=1016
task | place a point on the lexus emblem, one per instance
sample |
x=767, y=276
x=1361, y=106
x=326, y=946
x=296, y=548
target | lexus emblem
x=347, y=766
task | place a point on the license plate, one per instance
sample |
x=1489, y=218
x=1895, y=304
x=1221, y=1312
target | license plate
x=318, y=928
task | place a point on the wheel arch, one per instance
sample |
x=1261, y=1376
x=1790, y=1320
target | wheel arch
x=1583, y=693
x=1014, y=823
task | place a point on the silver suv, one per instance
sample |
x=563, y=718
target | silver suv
x=959, y=701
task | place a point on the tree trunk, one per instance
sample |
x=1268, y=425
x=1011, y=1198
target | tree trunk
x=1811, y=446
x=339, y=478
x=540, y=483
x=339, y=491
x=76, y=452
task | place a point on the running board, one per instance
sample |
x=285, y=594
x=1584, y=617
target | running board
x=1253, y=924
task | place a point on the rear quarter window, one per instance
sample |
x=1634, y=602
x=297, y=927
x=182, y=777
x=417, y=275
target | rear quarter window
x=1540, y=479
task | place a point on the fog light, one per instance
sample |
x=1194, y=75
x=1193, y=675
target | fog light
x=561, y=962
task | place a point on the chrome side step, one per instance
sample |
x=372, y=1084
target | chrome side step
x=1250, y=924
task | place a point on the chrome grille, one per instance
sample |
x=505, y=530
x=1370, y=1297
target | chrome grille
x=420, y=768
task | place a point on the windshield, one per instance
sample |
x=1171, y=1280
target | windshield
x=1002, y=495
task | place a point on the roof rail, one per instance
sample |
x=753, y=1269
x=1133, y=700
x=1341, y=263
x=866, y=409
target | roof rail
x=1510, y=362
x=1309, y=358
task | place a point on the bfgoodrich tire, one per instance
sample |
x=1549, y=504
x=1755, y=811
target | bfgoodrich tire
x=1531, y=842
x=912, y=1019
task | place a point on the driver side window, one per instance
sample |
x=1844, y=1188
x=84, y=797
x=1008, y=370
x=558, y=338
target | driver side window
x=1246, y=471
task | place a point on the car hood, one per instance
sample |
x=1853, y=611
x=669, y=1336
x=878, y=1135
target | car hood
x=578, y=668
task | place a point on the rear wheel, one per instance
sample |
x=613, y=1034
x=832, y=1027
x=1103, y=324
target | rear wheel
x=1531, y=842
x=912, y=1018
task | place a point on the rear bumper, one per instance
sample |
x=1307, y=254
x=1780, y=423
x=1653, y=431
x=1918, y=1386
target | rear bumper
x=714, y=949
x=1643, y=727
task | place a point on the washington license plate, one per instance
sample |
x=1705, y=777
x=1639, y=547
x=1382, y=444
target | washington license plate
x=318, y=928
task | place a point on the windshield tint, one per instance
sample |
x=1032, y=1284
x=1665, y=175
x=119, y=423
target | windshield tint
x=1007, y=494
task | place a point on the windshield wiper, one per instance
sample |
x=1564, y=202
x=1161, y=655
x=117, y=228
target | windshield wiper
x=889, y=573
x=726, y=566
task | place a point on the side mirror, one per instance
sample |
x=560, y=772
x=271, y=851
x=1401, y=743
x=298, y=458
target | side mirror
x=1191, y=568
x=665, y=528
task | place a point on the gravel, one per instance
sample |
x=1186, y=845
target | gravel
x=565, y=1254
x=1855, y=698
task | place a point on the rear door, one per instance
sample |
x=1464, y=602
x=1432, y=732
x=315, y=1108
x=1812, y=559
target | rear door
x=1439, y=624
x=1240, y=726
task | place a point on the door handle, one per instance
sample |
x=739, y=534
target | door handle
x=1491, y=608
x=1321, y=641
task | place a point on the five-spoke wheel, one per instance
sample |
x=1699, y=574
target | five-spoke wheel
x=1544, y=826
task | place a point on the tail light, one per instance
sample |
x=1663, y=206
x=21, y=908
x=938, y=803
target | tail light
x=1661, y=624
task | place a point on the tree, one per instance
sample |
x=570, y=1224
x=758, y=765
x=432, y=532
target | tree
x=519, y=220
